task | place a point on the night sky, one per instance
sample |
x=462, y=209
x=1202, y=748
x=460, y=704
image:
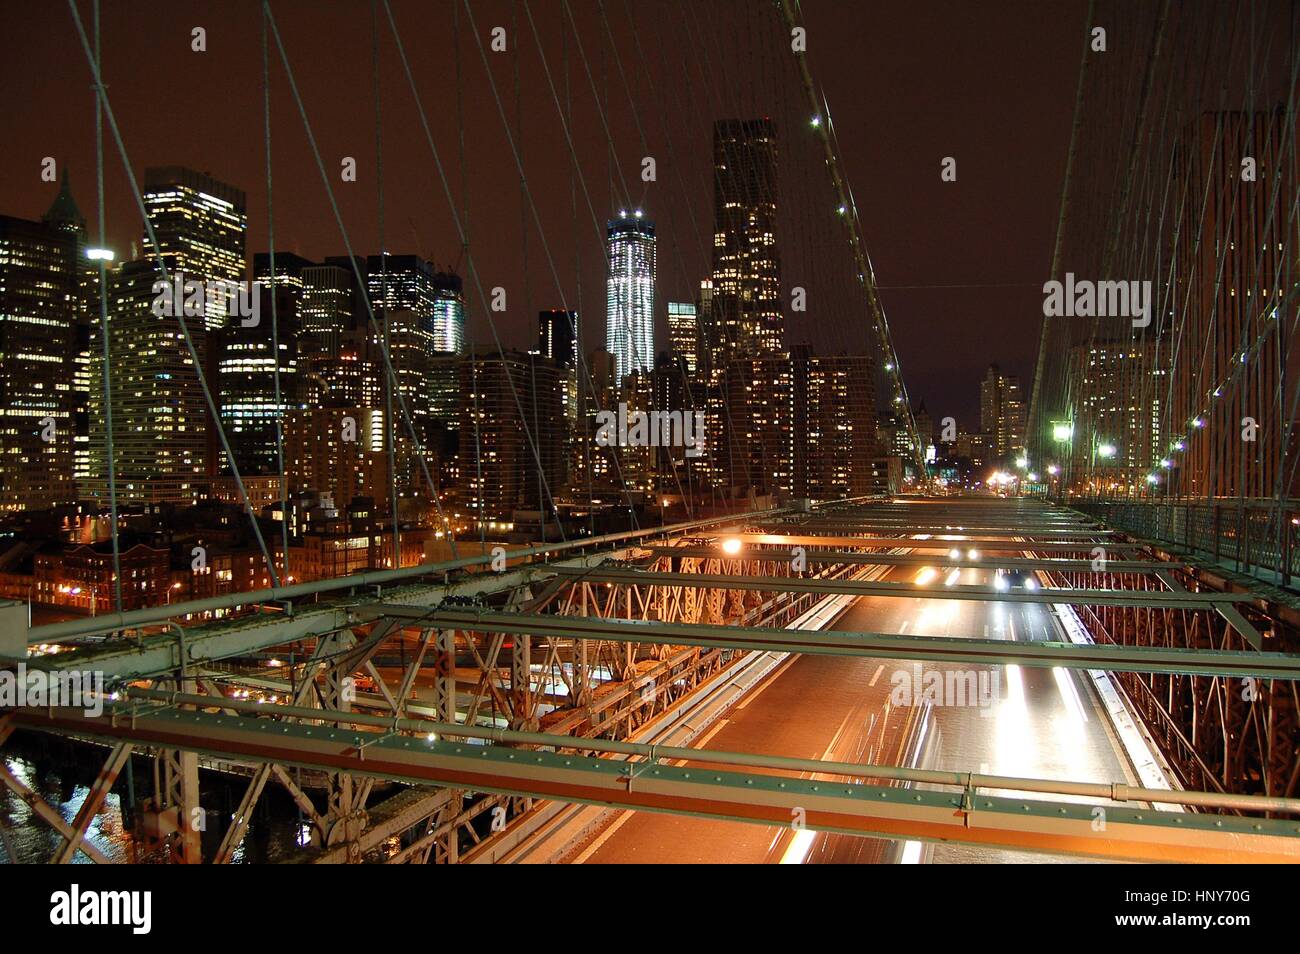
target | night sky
x=908, y=83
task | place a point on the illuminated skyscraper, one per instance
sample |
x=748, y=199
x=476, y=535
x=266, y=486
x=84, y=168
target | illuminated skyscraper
x=746, y=295
x=66, y=217
x=557, y=339
x=557, y=335
x=164, y=438
x=159, y=413
x=401, y=282
x=506, y=399
x=629, y=331
x=746, y=326
x=448, y=313
x=328, y=310
x=39, y=289
x=247, y=369
x=201, y=225
x=684, y=333
x=1003, y=413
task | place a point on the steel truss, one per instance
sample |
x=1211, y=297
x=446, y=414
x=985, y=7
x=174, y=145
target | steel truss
x=554, y=658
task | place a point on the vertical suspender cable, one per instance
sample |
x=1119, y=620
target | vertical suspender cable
x=275, y=315
x=389, y=382
x=103, y=323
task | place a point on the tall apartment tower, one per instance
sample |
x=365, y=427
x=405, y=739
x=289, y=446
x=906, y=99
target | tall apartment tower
x=248, y=365
x=557, y=339
x=201, y=225
x=746, y=299
x=630, y=293
x=1119, y=391
x=163, y=434
x=684, y=334
x=160, y=418
x=748, y=365
x=1003, y=413
x=498, y=463
x=39, y=316
x=833, y=423
x=448, y=313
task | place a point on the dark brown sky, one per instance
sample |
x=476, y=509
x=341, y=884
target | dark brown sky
x=908, y=83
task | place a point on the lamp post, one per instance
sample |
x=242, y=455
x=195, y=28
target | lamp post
x=1063, y=435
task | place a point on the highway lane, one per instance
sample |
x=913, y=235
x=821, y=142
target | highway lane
x=1042, y=723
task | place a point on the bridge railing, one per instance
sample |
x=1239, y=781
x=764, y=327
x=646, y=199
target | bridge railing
x=1257, y=537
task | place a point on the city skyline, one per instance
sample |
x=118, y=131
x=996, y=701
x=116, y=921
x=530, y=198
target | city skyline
x=426, y=223
x=790, y=432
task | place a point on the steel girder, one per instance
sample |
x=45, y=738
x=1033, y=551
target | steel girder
x=1083, y=597
x=1235, y=664
x=1000, y=545
x=782, y=555
x=827, y=805
x=1218, y=733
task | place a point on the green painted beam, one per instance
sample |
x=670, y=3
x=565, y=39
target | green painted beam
x=936, y=649
x=798, y=537
x=835, y=805
x=1053, y=564
x=792, y=584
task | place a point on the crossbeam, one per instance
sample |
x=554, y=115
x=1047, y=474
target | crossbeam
x=889, y=543
x=871, y=526
x=704, y=791
x=1057, y=564
x=937, y=649
x=1161, y=599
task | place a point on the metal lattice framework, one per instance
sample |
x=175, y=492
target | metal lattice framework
x=566, y=677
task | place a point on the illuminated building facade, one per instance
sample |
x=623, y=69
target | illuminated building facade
x=201, y=225
x=684, y=334
x=1118, y=394
x=448, y=313
x=39, y=316
x=328, y=310
x=746, y=312
x=630, y=293
x=159, y=413
x=498, y=464
x=1003, y=413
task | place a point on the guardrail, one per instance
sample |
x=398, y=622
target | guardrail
x=1257, y=537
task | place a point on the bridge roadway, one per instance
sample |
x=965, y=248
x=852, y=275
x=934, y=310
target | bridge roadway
x=1045, y=723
